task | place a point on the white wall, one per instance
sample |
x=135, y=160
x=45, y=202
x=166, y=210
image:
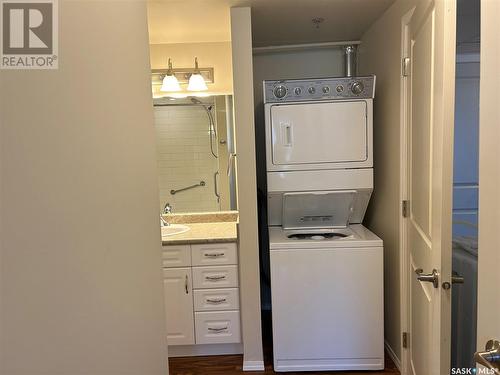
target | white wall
x=380, y=54
x=241, y=37
x=81, y=284
x=185, y=159
x=489, y=201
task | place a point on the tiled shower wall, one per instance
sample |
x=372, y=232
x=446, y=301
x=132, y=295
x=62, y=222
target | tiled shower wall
x=184, y=158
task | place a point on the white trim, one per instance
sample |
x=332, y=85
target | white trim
x=393, y=355
x=253, y=366
x=404, y=292
x=305, y=46
x=204, y=349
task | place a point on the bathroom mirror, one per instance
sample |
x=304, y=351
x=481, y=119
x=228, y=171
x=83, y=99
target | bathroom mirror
x=195, y=150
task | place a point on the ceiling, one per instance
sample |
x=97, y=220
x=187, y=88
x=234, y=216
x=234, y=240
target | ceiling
x=274, y=22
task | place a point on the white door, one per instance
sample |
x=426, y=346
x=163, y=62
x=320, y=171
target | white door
x=314, y=135
x=488, y=322
x=430, y=37
x=179, y=306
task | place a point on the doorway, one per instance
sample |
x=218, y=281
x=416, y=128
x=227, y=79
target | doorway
x=465, y=186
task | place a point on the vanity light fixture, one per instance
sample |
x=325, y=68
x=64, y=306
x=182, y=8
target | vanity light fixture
x=170, y=82
x=196, y=81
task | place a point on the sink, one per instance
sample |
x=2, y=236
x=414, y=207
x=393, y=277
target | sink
x=173, y=229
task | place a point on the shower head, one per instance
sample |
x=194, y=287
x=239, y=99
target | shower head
x=199, y=102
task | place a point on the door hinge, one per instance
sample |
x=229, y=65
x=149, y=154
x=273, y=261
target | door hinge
x=405, y=339
x=405, y=67
x=405, y=208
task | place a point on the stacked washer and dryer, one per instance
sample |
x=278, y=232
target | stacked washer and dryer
x=326, y=267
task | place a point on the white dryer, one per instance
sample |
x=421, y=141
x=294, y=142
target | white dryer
x=319, y=124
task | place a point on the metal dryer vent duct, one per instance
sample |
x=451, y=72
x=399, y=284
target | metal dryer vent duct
x=350, y=60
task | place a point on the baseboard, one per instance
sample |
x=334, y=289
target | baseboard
x=253, y=365
x=393, y=355
x=204, y=349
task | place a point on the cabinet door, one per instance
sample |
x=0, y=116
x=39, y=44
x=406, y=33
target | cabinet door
x=177, y=283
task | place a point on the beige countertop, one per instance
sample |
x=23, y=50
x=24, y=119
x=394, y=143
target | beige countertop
x=204, y=233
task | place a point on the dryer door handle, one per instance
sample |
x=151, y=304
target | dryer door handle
x=286, y=134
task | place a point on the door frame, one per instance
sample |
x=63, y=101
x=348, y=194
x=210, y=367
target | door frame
x=488, y=302
x=403, y=191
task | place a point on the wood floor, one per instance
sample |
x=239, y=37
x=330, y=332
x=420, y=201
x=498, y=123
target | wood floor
x=232, y=364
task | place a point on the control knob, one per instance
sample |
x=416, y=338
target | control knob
x=357, y=87
x=311, y=90
x=280, y=91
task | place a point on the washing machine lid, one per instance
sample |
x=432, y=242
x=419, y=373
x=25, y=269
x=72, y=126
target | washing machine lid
x=354, y=236
x=317, y=209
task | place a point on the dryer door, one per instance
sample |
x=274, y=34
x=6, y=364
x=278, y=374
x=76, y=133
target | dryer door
x=321, y=135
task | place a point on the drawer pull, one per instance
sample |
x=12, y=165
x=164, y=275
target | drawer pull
x=216, y=330
x=216, y=301
x=215, y=278
x=214, y=255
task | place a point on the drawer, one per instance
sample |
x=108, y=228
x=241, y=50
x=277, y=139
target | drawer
x=217, y=327
x=215, y=277
x=176, y=256
x=214, y=254
x=216, y=299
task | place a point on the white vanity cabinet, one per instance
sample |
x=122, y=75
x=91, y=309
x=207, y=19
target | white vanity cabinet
x=201, y=293
x=177, y=287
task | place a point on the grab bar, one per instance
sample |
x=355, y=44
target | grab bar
x=216, y=187
x=201, y=183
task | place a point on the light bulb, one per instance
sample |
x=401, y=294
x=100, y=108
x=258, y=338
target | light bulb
x=197, y=83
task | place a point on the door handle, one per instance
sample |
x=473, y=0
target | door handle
x=490, y=358
x=429, y=277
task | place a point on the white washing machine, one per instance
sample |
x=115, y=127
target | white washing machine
x=326, y=268
x=327, y=299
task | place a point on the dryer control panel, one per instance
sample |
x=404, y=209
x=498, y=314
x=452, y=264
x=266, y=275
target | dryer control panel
x=298, y=90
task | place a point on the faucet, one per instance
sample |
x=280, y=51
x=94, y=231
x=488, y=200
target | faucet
x=163, y=222
x=167, y=209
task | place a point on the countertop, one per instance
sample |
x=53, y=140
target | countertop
x=204, y=233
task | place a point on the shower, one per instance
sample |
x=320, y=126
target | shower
x=211, y=123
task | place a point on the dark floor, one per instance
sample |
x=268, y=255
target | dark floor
x=233, y=364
